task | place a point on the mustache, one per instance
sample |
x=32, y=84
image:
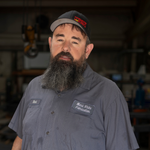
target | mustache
x=67, y=54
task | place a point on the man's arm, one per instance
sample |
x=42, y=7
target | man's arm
x=17, y=144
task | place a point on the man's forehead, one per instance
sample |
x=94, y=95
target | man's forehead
x=62, y=26
x=74, y=28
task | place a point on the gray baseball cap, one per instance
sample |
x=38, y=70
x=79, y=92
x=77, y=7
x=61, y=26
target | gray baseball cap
x=72, y=17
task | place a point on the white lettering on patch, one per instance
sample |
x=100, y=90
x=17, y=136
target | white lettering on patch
x=34, y=102
x=82, y=107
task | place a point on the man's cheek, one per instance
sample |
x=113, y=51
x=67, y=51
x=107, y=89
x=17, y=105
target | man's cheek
x=54, y=53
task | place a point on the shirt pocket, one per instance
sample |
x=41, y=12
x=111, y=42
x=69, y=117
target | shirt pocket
x=85, y=125
x=30, y=120
x=79, y=119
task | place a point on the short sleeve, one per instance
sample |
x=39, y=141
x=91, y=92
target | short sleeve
x=16, y=121
x=118, y=129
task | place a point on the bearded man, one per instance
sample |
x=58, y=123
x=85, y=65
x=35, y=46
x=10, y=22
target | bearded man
x=70, y=107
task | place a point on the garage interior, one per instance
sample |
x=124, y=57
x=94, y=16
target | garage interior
x=120, y=31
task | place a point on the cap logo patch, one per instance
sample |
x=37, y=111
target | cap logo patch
x=79, y=20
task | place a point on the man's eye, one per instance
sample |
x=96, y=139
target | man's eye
x=74, y=42
x=60, y=40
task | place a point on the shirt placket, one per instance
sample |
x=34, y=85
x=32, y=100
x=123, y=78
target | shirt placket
x=52, y=122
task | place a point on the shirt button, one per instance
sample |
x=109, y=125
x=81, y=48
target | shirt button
x=52, y=112
x=59, y=95
x=47, y=132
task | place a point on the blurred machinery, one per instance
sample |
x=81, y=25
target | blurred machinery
x=30, y=36
x=30, y=33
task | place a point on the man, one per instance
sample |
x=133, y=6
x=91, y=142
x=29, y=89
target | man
x=71, y=107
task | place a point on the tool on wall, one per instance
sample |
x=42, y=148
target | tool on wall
x=30, y=33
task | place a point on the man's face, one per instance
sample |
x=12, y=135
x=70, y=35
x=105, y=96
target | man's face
x=66, y=39
x=68, y=58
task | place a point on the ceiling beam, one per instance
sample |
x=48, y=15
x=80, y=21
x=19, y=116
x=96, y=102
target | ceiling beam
x=67, y=3
x=142, y=24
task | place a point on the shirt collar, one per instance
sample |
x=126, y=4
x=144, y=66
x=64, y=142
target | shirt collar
x=88, y=76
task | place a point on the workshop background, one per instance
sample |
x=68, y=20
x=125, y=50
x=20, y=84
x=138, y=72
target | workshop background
x=120, y=31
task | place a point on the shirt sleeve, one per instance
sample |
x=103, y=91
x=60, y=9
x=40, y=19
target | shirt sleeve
x=17, y=119
x=118, y=129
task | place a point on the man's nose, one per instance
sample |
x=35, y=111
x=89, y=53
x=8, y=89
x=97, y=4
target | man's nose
x=66, y=46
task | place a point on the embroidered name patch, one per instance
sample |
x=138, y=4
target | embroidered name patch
x=35, y=102
x=83, y=107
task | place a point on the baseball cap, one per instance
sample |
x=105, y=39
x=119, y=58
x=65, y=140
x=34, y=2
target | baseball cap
x=72, y=17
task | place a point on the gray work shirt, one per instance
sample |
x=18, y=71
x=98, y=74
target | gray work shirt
x=93, y=116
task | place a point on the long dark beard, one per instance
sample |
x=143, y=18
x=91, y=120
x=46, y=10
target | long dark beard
x=62, y=75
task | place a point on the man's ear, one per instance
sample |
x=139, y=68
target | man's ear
x=49, y=41
x=89, y=48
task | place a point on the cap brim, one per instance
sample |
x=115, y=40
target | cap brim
x=58, y=22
